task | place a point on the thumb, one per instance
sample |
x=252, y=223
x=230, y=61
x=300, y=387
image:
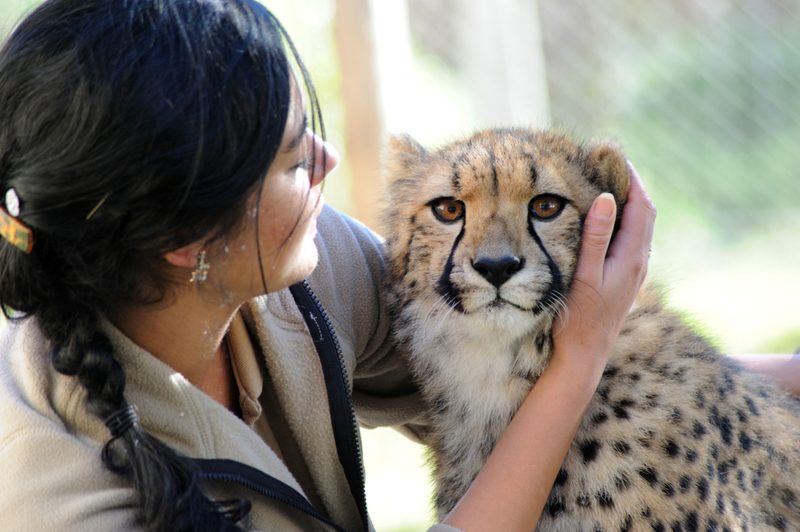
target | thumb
x=597, y=229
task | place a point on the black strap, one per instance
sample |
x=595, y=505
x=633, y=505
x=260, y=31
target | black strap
x=339, y=395
x=255, y=479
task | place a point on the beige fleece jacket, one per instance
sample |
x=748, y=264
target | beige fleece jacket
x=52, y=475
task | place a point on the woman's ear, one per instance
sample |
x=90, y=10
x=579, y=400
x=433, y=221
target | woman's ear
x=185, y=257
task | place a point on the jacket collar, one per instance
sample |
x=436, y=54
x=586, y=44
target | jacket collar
x=300, y=384
x=172, y=409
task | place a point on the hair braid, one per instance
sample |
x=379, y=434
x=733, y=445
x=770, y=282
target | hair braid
x=167, y=113
x=168, y=485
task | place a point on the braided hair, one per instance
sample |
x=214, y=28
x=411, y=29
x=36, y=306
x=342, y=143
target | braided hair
x=129, y=129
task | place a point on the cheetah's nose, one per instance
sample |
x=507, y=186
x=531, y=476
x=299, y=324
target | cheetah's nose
x=497, y=271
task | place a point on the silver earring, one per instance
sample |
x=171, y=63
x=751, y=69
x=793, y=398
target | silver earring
x=201, y=273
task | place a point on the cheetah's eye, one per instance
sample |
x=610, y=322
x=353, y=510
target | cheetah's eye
x=448, y=210
x=546, y=206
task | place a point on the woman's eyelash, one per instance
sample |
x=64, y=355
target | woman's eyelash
x=305, y=164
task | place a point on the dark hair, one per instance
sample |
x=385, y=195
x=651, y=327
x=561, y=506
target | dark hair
x=131, y=128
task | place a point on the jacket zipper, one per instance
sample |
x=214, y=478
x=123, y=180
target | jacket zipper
x=238, y=473
x=340, y=395
x=343, y=417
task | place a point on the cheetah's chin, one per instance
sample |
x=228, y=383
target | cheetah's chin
x=504, y=316
x=498, y=304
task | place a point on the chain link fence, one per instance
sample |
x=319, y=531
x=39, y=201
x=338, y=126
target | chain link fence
x=703, y=95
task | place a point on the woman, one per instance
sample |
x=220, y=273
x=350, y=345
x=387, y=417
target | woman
x=160, y=177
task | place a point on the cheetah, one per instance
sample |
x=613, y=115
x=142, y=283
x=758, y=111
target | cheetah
x=482, y=241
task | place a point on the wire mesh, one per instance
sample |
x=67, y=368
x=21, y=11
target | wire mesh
x=704, y=94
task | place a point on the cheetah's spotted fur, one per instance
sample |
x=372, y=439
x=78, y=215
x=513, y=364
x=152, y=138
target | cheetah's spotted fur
x=677, y=437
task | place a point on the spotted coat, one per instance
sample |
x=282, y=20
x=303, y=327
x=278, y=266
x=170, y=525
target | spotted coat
x=482, y=242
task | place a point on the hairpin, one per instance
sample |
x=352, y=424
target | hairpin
x=12, y=202
x=94, y=210
x=12, y=229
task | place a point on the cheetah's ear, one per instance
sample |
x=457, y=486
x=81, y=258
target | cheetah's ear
x=401, y=156
x=606, y=168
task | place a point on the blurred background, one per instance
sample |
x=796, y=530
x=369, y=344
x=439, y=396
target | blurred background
x=703, y=95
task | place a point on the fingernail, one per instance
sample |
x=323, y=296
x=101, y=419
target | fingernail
x=604, y=206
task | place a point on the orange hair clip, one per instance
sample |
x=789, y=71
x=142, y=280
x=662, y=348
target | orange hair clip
x=15, y=231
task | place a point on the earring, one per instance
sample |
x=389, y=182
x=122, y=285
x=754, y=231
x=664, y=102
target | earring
x=201, y=273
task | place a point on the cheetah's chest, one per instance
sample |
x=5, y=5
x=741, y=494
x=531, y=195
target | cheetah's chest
x=475, y=384
x=674, y=439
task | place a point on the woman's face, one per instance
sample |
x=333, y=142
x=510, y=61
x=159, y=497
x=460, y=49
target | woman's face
x=285, y=211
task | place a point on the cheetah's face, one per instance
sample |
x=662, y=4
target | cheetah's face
x=489, y=228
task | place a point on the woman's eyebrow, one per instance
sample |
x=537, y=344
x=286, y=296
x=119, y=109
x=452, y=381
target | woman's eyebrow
x=299, y=136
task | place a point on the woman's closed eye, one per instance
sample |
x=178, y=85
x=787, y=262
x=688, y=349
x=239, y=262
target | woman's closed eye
x=306, y=163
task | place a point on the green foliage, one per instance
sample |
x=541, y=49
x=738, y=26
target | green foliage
x=786, y=343
x=706, y=103
x=722, y=135
x=12, y=12
x=409, y=528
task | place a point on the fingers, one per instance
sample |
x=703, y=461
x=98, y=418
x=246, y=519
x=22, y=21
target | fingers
x=633, y=240
x=597, y=230
x=609, y=281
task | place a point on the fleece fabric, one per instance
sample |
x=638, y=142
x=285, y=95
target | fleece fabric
x=54, y=479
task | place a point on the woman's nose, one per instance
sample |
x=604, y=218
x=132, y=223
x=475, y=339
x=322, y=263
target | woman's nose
x=326, y=158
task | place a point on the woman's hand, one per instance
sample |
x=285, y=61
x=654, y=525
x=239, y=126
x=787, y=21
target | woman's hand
x=784, y=369
x=607, y=279
x=511, y=490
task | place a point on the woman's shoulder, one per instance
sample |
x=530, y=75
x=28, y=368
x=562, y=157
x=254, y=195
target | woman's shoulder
x=34, y=398
x=341, y=237
x=350, y=255
x=25, y=378
x=348, y=278
x=47, y=464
